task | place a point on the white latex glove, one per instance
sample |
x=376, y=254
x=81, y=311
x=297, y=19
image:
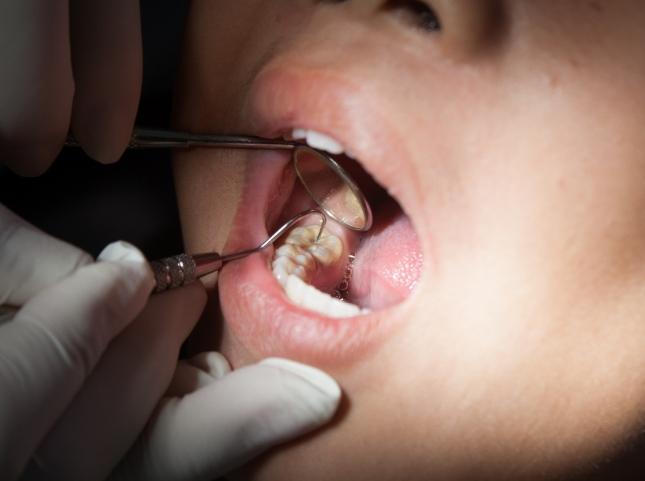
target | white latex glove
x=67, y=63
x=82, y=368
x=214, y=420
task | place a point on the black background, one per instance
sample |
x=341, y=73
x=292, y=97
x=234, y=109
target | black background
x=91, y=205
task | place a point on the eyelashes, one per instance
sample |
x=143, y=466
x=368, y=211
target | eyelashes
x=460, y=28
x=416, y=13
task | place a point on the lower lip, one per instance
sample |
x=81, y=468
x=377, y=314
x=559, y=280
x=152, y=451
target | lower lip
x=264, y=321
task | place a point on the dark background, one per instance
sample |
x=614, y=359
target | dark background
x=91, y=205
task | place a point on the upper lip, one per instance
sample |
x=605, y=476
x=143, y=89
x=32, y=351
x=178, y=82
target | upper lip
x=283, y=98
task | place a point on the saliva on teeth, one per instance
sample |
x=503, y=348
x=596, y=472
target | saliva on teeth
x=295, y=264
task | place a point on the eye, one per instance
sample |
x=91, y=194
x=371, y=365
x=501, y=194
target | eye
x=416, y=13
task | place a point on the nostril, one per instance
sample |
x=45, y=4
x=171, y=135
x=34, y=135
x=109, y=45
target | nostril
x=416, y=13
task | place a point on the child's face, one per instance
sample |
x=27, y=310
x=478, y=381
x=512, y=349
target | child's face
x=513, y=140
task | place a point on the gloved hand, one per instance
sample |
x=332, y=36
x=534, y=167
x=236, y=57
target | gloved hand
x=88, y=356
x=63, y=63
x=213, y=420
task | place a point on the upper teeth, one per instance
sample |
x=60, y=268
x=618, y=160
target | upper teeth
x=318, y=141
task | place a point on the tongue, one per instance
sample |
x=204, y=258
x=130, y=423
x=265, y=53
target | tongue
x=388, y=263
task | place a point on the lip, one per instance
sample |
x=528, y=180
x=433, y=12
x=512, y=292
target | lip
x=256, y=309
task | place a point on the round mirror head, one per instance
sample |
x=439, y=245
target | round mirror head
x=332, y=189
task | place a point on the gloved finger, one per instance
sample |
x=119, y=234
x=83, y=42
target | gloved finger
x=36, y=83
x=55, y=341
x=197, y=372
x=111, y=410
x=31, y=260
x=218, y=428
x=107, y=54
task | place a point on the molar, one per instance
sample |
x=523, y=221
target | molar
x=303, y=252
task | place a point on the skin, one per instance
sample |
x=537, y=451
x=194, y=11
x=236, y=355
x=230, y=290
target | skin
x=520, y=129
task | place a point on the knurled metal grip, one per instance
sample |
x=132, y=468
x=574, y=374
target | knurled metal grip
x=173, y=272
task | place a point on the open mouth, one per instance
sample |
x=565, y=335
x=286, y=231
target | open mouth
x=345, y=273
x=314, y=298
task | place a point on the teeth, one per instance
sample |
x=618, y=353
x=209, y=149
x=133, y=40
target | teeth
x=281, y=274
x=324, y=142
x=318, y=141
x=299, y=134
x=308, y=297
x=323, y=254
x=286, y=250
x=303, y=235
x=295, y=263
x=285, y=263
x=301, y=253
x=326, y=250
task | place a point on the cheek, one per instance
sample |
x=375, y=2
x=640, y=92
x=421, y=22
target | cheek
x=536, y=208
x=209, y=185
x=234, y=351
x=516, y=174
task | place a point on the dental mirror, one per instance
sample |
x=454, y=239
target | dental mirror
x=332, y=188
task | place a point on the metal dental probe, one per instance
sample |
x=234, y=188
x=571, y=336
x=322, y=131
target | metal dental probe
x=180, y=270
x=144, y=138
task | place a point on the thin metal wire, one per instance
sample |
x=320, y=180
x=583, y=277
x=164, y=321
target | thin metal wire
x=180, y=270
x=278, y=233
x=143, y=138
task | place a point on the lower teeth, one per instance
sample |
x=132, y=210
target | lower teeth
x=295, y=263
x=308, y=297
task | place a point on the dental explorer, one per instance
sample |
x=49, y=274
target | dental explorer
x=183, y=269
x=180, y=270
